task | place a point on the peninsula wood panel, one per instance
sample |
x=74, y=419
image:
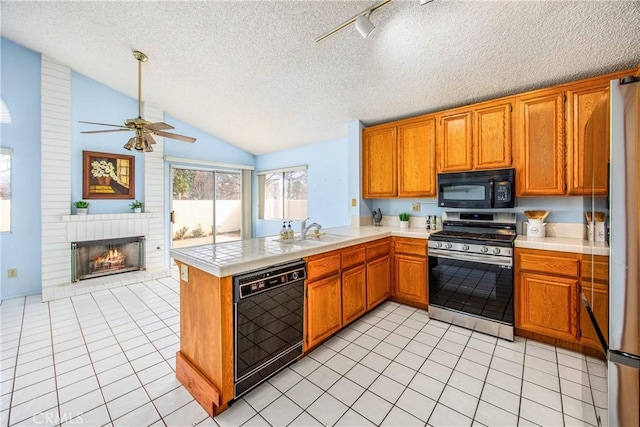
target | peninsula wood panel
x=379, y=162
x=206, y=328
x=455, y=137
x=548, y=305
x=354, y=293
x=323, y=309
x=588, y=140
x=540, y=163
x=378, y=281
x=492, y=136
x=417, y=158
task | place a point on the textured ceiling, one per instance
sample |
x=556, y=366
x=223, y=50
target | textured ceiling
x=250, y=72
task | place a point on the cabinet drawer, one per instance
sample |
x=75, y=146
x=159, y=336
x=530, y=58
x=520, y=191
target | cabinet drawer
x=410, y=246
x=323, y=265
x=598, y=269
x=549, y=262
x=353, y=256
x=378, y=248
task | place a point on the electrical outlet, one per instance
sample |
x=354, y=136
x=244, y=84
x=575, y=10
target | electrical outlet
x=184, y=272
x=12, y=273
x=415, y=207
x=353, y=202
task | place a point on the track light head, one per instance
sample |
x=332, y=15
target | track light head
x=423, y=2
x=364, y=25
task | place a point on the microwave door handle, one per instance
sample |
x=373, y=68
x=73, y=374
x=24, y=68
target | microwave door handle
x=594, y=322
x=491, y=194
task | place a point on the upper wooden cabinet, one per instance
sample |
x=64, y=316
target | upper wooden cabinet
x=492, y=135
x=417, y=158
x=398, y=159
x=455, y=139
x=539, y=144
x=588, y=139
x=379, y=167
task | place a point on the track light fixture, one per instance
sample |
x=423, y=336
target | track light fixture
x=423, y=2
x=361, y=20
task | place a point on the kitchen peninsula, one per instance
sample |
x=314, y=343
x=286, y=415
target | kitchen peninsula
x=205, y=362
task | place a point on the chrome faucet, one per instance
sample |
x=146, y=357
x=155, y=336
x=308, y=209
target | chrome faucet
x=304, y=228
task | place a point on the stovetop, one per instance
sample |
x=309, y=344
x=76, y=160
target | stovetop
x=461, y=236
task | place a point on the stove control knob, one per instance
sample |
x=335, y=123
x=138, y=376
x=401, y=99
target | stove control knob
x=484, y=249
x=465, y=247
x=449, y=245
x=438, y=244
x=496, y=251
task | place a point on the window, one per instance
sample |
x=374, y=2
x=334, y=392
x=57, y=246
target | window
x=283, y=193
x=5, y=190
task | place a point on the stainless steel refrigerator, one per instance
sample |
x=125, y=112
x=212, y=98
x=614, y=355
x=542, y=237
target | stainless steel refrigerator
x=623, y=353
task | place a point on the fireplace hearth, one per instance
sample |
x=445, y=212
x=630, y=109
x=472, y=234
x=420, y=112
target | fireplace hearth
x=98, y=258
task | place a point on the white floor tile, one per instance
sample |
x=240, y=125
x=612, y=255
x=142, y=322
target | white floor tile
x=236, y=415
x=341, y=364
x=30, y=409
x=539, y=414
x=322, y=354
x=463, y=402
x=473, y=369
x=285, y=379
x=416, y=404
x=362, y=375
x=33, y=391
x=143, y=415
x=346, y=391
x=281, y=411
x=428, y=386
x=387, y=388
x=83, y=403
x=78, y=389
x=387, y=350
x=353, y=419
x=354, y=352
x=305, y=366
x=466, y=383
x=327, y=409
x=508, y=354
x=443, y=358
x=541, y=365
x=491, y=415
x=304, y=393
x=542, y=395
x=96, y=417
x=305, y=420
x=578, y=409
x=399, y=373
x=398, y=417
x=444, y=417
x=506, y=366
x=549, y=381
x=372, y=407
x=323, y=377
x=501, y=398
x=127, y=403
x=436, y=370
x=33, y=378
x=120, y=388
x=376, y=362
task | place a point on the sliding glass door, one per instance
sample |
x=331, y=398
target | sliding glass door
x=206, y=207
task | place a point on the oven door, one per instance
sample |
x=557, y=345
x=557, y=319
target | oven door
x=465, y=193
x=480, y=286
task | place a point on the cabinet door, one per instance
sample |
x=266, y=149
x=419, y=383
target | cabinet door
x=354, y=293
x=539, y=125
x=410, y=278
x=378, y=281
x=548, y=305
x=588, y=140
x=598, y=297
x=417, y=159
x=379, y=162
x=324, y=315
x=492, y=136
x=454, y=142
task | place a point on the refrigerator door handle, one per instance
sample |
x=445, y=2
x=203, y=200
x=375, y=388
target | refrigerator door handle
x=594, y=322
x=626, y=359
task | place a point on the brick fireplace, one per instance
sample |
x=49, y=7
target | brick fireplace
x=98, y=258
x=60, y=228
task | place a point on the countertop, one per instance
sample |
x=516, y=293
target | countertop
x=226, y=259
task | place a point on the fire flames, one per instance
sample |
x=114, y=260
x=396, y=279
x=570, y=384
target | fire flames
x=111, y=259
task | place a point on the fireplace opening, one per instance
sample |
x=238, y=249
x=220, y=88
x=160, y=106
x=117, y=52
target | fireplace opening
x=98, y=258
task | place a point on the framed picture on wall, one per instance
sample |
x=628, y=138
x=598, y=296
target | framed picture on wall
x=107, y=176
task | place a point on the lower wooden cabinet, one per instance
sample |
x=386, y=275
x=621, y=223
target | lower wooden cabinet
x=598, y=296
x=548, y=305
x=378, y=281
x=323, y=310
x=410, y=278
x=354, y=293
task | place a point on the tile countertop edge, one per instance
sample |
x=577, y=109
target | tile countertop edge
x=365, y=234
x=562, y=244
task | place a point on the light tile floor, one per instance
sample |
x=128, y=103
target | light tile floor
x=108, y=358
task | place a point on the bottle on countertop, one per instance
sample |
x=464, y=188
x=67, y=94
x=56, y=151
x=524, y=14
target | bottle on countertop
x=428, y=222
x=283, y=232
x=290, y=232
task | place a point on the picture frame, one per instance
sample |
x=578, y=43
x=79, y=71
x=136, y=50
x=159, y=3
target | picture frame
x=107, y=176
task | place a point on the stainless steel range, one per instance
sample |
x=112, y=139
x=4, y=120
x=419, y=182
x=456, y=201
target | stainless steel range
x=471, y=272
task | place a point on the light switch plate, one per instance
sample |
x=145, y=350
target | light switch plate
x=353, y=202
x=184, y=272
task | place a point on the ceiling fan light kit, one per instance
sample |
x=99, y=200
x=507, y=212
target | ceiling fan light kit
x=143, y=128
x=362, y=22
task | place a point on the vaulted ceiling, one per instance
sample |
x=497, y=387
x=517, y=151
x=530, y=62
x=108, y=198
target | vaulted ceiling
x=251, y=73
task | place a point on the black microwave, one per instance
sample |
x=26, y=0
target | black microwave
x=492, y=189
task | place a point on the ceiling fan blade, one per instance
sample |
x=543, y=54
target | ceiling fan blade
x=149, y=139
x=173, y=136
x=107, y=130
x=158, y=126
x=103, y=124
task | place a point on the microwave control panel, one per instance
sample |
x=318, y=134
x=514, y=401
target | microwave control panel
x=503, y=191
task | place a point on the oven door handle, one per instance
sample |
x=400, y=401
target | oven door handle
x=505, y=262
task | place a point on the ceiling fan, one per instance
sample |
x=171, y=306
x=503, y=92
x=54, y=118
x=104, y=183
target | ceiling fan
x=143, y=128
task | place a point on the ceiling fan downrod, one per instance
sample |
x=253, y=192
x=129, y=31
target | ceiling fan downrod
x=141, y=57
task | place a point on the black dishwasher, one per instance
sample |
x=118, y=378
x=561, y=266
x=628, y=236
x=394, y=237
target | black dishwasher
x=268, y=313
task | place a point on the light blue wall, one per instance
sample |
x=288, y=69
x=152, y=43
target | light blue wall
x=92, y=101
x=354, y=137
x=20, y=84
x=327, y=183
